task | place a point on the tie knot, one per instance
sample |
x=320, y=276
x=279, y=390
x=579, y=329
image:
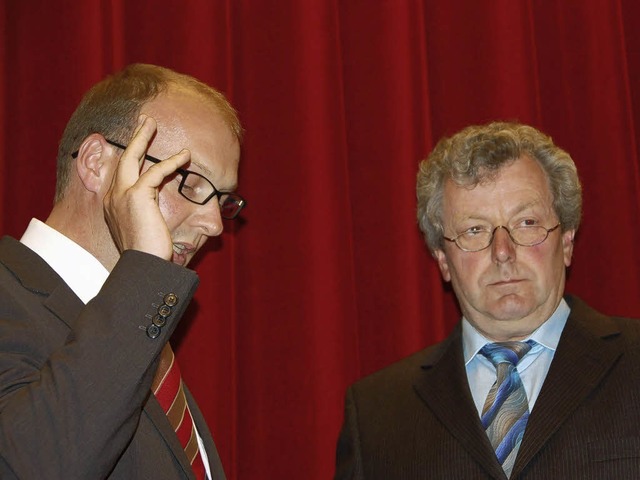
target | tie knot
x=506, y=352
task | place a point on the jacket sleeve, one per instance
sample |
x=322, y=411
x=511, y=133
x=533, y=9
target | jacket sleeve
x=74, y=377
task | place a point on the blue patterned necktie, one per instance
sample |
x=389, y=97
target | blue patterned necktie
x=506, y=410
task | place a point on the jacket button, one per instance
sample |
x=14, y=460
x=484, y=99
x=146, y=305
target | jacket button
x=159, y=321
x=164, y=310
x=171, y=299
x=153, y=331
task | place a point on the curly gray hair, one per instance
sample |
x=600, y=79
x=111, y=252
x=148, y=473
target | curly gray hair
x=477, y=153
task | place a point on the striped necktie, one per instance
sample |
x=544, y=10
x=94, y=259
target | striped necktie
x=506, y=410
x=168, y=388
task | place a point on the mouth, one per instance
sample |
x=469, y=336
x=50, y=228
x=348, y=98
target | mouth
x=181, y=253
x=502, y=283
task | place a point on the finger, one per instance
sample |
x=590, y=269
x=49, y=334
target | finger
x=157, y=173
x=128, y=169
x=141, y=119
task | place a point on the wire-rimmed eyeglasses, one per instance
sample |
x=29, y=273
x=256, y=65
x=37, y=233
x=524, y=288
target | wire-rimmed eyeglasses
x=198, y=189
x=474, y=240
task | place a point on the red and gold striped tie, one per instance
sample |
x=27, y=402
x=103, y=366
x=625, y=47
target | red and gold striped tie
x=168, y=388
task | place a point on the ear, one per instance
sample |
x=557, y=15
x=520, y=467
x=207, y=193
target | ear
x=567, y=246
x=441, y=258
x=93, y=163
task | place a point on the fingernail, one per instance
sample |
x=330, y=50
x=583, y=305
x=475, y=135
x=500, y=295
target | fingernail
x=141, y=118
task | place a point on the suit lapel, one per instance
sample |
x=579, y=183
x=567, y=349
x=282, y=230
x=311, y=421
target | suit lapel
x=443, y=386
x=38, y=277
x=28, y=267
x=215, y=464
x=199, y=421
x=582, y=360
x=156, y=414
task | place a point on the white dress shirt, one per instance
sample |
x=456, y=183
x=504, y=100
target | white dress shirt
x=84, y=274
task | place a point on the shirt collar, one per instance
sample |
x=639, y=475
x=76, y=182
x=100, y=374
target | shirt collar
x=547, y=334
x=84, y=274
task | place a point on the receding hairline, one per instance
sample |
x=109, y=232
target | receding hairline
x=190, y=86
x=182, y=95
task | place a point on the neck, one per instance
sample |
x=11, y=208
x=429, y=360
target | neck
x=80, y=220
x=511, y=330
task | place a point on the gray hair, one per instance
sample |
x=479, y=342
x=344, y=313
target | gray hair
x=476, y=154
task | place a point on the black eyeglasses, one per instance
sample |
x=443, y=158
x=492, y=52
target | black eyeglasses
x=474, y=240
x=198, y=189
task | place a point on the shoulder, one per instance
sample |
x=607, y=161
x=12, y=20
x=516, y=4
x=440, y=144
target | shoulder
x=403, y=372
x=20, y=264
x=606, y=327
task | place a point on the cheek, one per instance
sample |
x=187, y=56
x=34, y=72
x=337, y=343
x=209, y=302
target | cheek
x=171, y=208
x=468, y=269
x=548, y=264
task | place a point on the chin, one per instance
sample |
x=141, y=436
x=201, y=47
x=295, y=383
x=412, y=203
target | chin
x=511, y=307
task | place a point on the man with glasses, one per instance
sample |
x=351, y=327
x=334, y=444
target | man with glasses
x=531, y=383
x=89, y=385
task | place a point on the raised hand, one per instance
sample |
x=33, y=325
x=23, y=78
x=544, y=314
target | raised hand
x=131, y=204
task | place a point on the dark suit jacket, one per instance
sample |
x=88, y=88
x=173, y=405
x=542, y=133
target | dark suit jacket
x=416, y=419
x=75, y=380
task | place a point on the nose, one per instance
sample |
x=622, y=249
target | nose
x=503, y=249
x=208, y=218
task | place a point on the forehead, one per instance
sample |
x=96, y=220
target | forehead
x=518, y=185
x=188, y=120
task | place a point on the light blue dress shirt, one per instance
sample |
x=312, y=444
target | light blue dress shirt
x=532, y=368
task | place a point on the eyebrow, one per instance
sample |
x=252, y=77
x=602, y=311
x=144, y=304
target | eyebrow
x=528, y=205
x=519, y=209
x=204, y=169
x=207, y=173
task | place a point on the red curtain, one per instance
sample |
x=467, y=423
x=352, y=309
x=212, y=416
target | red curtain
x=327, y=278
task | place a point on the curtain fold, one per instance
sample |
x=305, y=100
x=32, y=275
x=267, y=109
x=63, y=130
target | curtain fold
x=326, y=278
